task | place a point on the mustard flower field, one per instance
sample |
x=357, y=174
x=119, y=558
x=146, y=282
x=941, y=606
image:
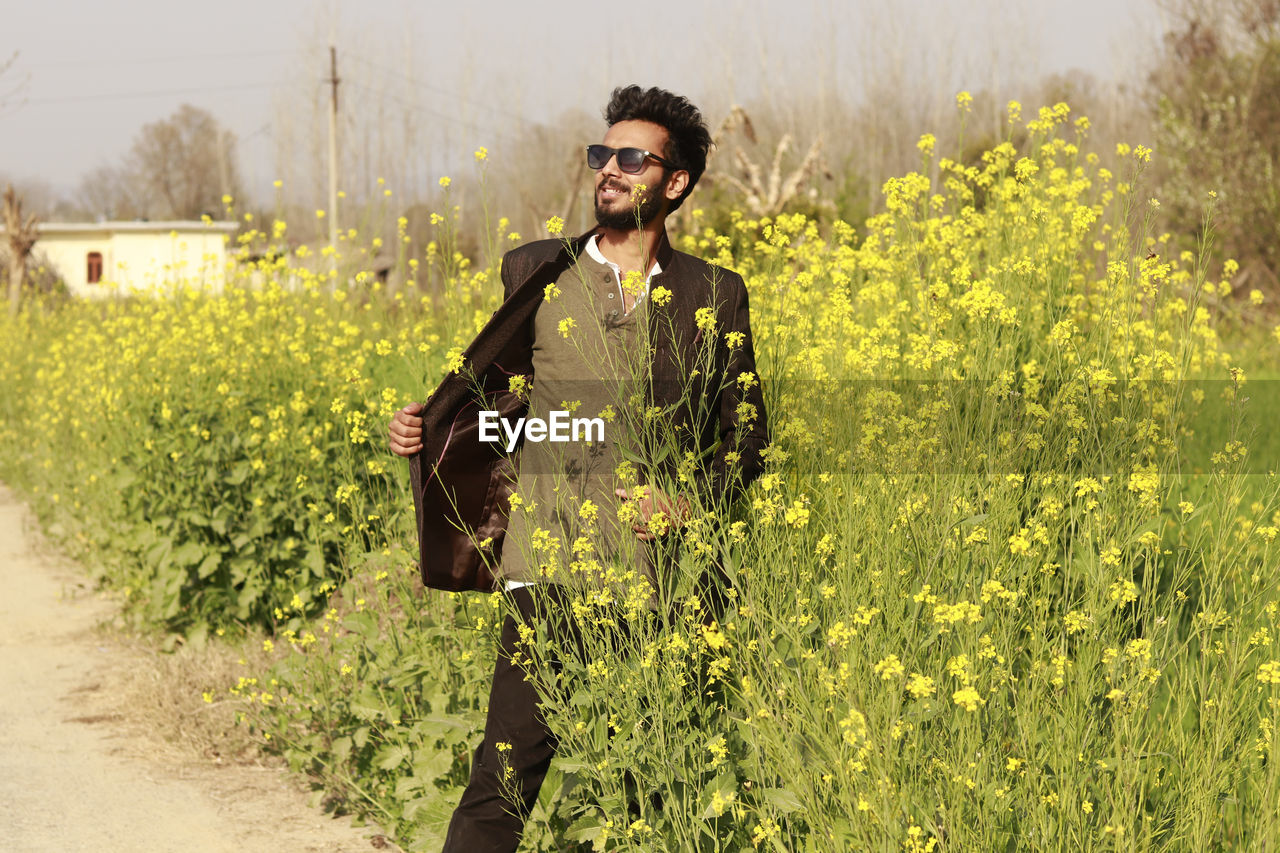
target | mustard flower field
x=1009, y=581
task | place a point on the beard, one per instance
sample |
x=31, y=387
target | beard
x=648, y=209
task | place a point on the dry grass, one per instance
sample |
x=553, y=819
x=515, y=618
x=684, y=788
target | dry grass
x=160, y=696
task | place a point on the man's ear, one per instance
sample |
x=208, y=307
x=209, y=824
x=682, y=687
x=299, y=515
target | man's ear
x=676, y=184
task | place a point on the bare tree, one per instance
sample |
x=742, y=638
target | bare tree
x=178, y=167
x=20, y=232
x=110, y=192
x=38, y=196
x=764, y=195
x=184, y=163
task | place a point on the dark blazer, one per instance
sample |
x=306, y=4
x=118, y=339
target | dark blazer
x=461, y=486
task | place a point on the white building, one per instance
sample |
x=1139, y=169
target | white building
x=103, y=258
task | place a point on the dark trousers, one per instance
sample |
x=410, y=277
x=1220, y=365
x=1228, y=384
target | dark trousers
x=489, y=819
x=491, y=814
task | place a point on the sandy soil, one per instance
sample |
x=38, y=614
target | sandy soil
x=75, y=779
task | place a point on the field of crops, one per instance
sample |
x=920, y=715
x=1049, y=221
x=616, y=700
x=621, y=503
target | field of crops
x=1009, y=580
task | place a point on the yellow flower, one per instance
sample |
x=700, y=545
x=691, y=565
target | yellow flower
x=1269, y=672
x=705, y=318
x=920, y=686
x=482, y=154
x=1123, y=591
x=889, y=668
x=1076, y=622
x=445, y=181
x=713, y=638
x=555, y=225
x=968, y=698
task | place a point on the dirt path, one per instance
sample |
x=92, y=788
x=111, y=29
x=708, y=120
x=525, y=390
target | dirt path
x=75, y=780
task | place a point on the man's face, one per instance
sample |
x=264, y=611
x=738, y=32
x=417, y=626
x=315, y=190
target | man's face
x=615, y=205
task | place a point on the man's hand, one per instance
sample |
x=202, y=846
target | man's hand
x=650, y=501
x=405, y=430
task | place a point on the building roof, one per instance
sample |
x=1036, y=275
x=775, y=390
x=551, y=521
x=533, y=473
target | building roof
x=137, y=227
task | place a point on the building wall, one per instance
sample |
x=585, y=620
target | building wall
x=69, y=257
x=163, y=261
x=137, y=259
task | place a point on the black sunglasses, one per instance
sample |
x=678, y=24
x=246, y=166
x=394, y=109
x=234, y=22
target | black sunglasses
x=630, y=160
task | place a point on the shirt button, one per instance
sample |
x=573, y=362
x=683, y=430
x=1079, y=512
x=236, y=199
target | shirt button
x=610, y=295
x=613, y=313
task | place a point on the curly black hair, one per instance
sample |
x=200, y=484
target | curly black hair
x=688, y=137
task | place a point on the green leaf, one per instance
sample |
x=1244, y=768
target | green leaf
x=209, y=565
x=728, y=793
x=432, y=764
x=188, y=554
x=219, y=521
x=391, y=757
x=406, y=787
x=781, y=799
x=440, y=728
x=585, y=829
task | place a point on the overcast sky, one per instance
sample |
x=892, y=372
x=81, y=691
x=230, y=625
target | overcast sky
x=89, y=75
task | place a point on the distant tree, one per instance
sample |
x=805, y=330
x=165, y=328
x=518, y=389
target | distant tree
x=111, y=192
x=20, y=235
x=38, y=196
x=178, y=168
x=1218, y=127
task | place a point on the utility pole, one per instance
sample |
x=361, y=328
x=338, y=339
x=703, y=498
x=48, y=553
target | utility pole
x=224, y=180
x=333, y=148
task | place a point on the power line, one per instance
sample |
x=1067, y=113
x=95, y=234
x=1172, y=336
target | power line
x=154, y=60
x=430, y=112
x=156, y=93
x=440, y=89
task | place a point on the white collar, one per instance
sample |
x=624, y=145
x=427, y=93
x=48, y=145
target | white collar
x=593, y=252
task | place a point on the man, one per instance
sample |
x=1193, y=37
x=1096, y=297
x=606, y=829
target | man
x=692, y=354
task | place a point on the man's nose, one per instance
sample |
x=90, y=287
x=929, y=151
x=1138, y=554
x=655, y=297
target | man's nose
x=610, y=166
